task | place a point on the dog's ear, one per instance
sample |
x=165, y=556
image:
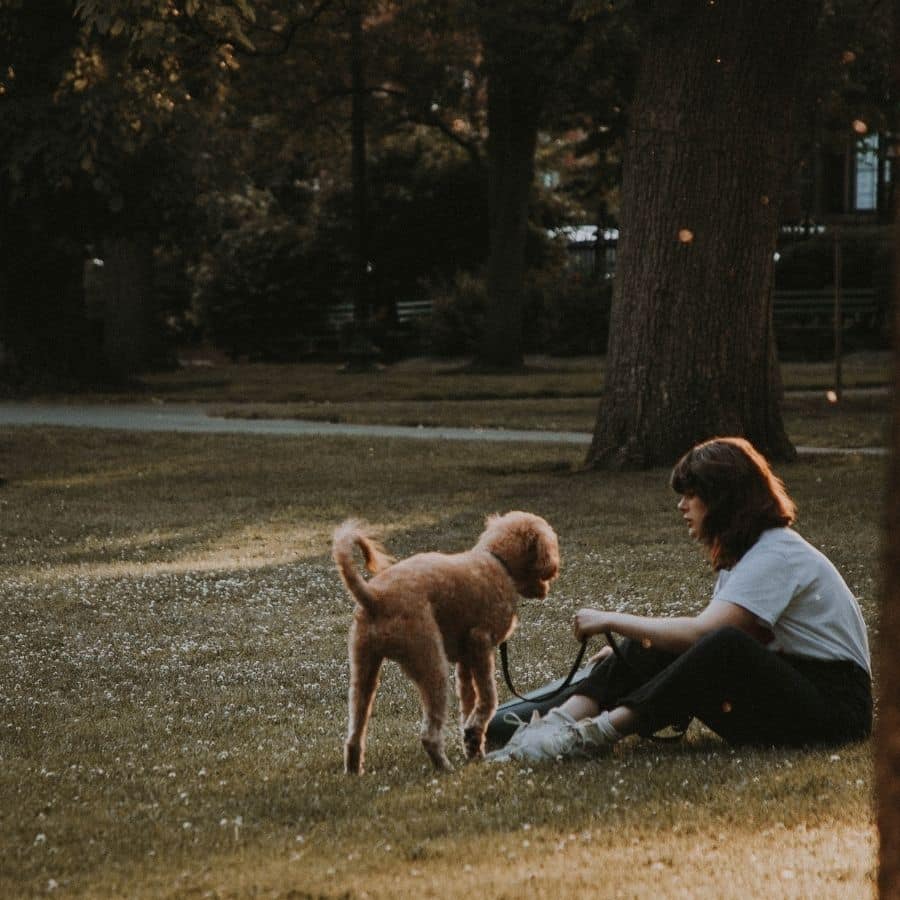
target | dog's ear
x=545, y=552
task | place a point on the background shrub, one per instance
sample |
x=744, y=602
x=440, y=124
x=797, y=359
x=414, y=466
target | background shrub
x=262, y=291
x=457, y=316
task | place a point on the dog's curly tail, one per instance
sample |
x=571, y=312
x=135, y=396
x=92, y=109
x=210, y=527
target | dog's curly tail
x=347, y=535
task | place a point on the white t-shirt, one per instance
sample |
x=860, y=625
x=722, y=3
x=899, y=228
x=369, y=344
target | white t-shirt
x=797, y=593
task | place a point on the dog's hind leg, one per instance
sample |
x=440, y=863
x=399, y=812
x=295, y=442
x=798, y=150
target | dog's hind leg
x=428, y=669
x=480, y=652
x=465, y=690
x=364, y=672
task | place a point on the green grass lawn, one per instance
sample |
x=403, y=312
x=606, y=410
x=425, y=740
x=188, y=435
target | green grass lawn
x=859, y=420
x=427, y=380
x=552, y=394
x=173, y=683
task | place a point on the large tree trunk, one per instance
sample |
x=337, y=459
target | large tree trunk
x=43, y=330
x=888, y=727
x=887, y=736
x=361, y=307
x=526, y=42
x=691, y=350
x=121, y=295
x=513, y=113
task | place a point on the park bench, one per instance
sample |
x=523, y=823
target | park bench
x=807, y=316
x=330, y=339
x=804, y=319
x=407, y=311
x=815, y=308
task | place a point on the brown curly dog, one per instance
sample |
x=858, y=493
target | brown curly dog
x=433, y=608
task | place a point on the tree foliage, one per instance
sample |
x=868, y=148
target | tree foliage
x=157, y=121
x=95, y=144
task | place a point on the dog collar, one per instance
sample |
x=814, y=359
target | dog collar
x=502, y=562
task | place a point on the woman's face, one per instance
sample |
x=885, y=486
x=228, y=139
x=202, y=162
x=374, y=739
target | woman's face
x=693, y=511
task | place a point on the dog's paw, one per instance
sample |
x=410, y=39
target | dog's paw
x=353, y=762
x=473, y=742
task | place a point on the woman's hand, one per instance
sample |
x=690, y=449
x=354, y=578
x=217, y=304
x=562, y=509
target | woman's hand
x=601, y=654
x=587, y=622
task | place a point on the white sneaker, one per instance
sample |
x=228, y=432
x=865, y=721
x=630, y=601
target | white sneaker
x=504, y=754
x=556, y=736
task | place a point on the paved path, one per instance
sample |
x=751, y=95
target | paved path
x=192, y=418
x=195, y=419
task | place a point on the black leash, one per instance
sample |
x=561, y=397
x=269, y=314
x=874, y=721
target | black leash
x=615, y=649
x=549, y=695
x=504, y=656
x=504, y=661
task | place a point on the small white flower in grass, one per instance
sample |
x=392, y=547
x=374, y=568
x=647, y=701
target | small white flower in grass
x=186, y=826
x=40, y=839
x=52, y=884
x=835, y=757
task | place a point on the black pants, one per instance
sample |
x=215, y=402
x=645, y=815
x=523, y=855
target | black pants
x=731, y=683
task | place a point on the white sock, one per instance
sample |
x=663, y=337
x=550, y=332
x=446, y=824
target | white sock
x=607, y=729
x=559, y=713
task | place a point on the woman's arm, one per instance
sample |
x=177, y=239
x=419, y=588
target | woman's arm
x=673, y=635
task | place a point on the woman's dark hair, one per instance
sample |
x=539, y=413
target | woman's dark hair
x=743, y=497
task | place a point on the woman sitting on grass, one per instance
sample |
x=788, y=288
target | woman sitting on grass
x=778, y=657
